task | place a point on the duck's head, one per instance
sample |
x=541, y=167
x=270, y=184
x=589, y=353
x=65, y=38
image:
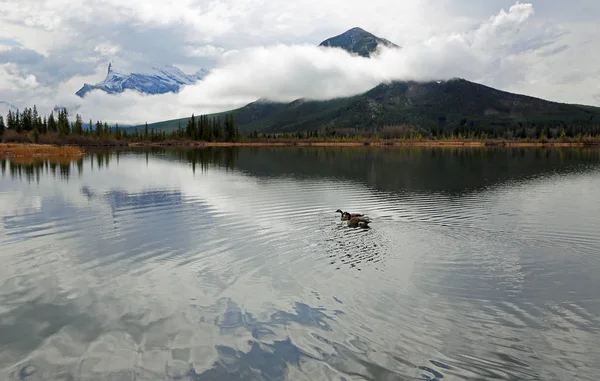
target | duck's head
x=339, y=211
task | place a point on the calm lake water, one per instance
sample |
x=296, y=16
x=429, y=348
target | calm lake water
x=231, y=264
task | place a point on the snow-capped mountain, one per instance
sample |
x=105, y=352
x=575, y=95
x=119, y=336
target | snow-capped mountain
x=154, y=80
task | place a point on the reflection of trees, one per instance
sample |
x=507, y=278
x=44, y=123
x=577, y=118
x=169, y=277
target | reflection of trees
x=31, y=169
x=416, y=169
x=205, y=158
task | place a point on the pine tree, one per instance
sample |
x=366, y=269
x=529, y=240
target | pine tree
x=18, y=126
x=10, y=120
x=78, y=126
x=216, y=128
x=98, y=128
x=2, y=126
x=25, y=120
x=189, y=130
x=35, y=118
x=52, y=123
x=229, y=128
x=193, y=127
x=44, y=126
x=63, y=122
x=146, y=131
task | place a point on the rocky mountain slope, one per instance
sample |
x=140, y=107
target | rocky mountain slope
x=154, y=80
x=358, y=41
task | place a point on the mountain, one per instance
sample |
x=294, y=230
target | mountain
x=428, y=105
x=358, y=41
x=154, y=80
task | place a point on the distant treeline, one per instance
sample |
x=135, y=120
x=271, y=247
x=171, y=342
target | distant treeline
x=530, y=132
x=20, y=126
x=30, y=126
x=464, y=131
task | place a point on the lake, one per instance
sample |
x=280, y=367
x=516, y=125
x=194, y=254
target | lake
x=231, y=264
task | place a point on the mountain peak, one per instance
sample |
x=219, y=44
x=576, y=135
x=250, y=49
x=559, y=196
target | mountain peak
x=359, y=41
x=152, y=79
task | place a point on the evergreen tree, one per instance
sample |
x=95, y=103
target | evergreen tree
x=146, y=131
x=229, y=130
x=35, y=119
x=78, y=126
x=44, y=125
x=203, y=130
x=2, y=126
x=10, y=120
x=98, y=128
x=63, y=122
x=26, y=122
x=52, y=127
x=193, y=127
x=189, y=130
x=18, y=126
x=216, y=128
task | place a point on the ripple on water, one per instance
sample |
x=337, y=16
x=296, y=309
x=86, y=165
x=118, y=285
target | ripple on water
x=233, y=275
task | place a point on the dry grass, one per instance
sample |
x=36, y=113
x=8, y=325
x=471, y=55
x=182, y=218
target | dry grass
x=38, y=150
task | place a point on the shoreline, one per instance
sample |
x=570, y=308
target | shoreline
x=367, y=143
x=34, y=150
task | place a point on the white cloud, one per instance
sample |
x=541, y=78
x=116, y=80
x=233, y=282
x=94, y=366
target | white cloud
x=515, y=49
x=107, y=49
x=12, y=78
x=205, y=51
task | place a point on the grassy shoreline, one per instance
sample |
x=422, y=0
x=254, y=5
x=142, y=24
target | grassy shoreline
x=32, y=150
x=73, y=149
x=372, y=143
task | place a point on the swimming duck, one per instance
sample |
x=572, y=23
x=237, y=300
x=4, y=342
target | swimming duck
x=347, y=216
x=362, y=222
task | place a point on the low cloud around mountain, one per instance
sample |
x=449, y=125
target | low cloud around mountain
x=499, y=52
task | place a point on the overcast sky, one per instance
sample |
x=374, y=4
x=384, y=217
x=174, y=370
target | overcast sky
x=267, y=49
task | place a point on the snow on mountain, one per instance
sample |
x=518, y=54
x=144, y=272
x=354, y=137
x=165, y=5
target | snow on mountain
x=152, y=80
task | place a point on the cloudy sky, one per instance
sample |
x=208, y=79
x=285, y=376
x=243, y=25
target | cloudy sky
x=267, y=49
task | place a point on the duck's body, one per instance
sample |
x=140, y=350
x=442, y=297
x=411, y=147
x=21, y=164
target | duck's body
x=346, y=216
x=361, y=222
x=356, y=220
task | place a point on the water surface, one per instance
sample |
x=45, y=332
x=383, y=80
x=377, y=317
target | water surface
x=229, y=264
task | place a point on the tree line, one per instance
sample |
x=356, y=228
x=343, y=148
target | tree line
x=31, y=124
x=209, y=129
x=30, y=121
